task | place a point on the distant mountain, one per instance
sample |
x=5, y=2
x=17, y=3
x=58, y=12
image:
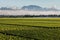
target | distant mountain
x=37, y=8
x=30, y=8
x=5, y=8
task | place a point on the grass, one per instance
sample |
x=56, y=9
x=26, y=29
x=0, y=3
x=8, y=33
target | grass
x=35, y=22
x=30, y=29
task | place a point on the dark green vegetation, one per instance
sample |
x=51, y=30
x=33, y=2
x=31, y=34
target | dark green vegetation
x=30, y=29
x=24, y=16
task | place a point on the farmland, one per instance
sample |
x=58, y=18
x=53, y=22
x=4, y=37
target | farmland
x=29, y=28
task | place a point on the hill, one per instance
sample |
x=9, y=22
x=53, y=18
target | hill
x=37, y=8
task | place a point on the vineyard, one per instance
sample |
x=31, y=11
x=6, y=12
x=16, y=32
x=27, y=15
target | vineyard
x=29, y=28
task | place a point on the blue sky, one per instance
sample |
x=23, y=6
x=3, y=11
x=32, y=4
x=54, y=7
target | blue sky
x=20, y=3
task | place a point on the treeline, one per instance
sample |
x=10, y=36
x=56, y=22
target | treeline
x=16, y=16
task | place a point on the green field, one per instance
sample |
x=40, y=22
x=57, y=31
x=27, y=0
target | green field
x=29, y=28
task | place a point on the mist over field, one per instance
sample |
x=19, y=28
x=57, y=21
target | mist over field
x=23, y=12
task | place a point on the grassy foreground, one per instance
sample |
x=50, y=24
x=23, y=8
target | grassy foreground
x=29, y=28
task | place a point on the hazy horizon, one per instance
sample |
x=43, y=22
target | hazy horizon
x=20, y=3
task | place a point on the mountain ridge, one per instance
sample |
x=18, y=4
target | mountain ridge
x=31, y=8
x=37, y=8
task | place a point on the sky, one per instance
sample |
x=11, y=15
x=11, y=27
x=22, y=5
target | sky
x=20, y=3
